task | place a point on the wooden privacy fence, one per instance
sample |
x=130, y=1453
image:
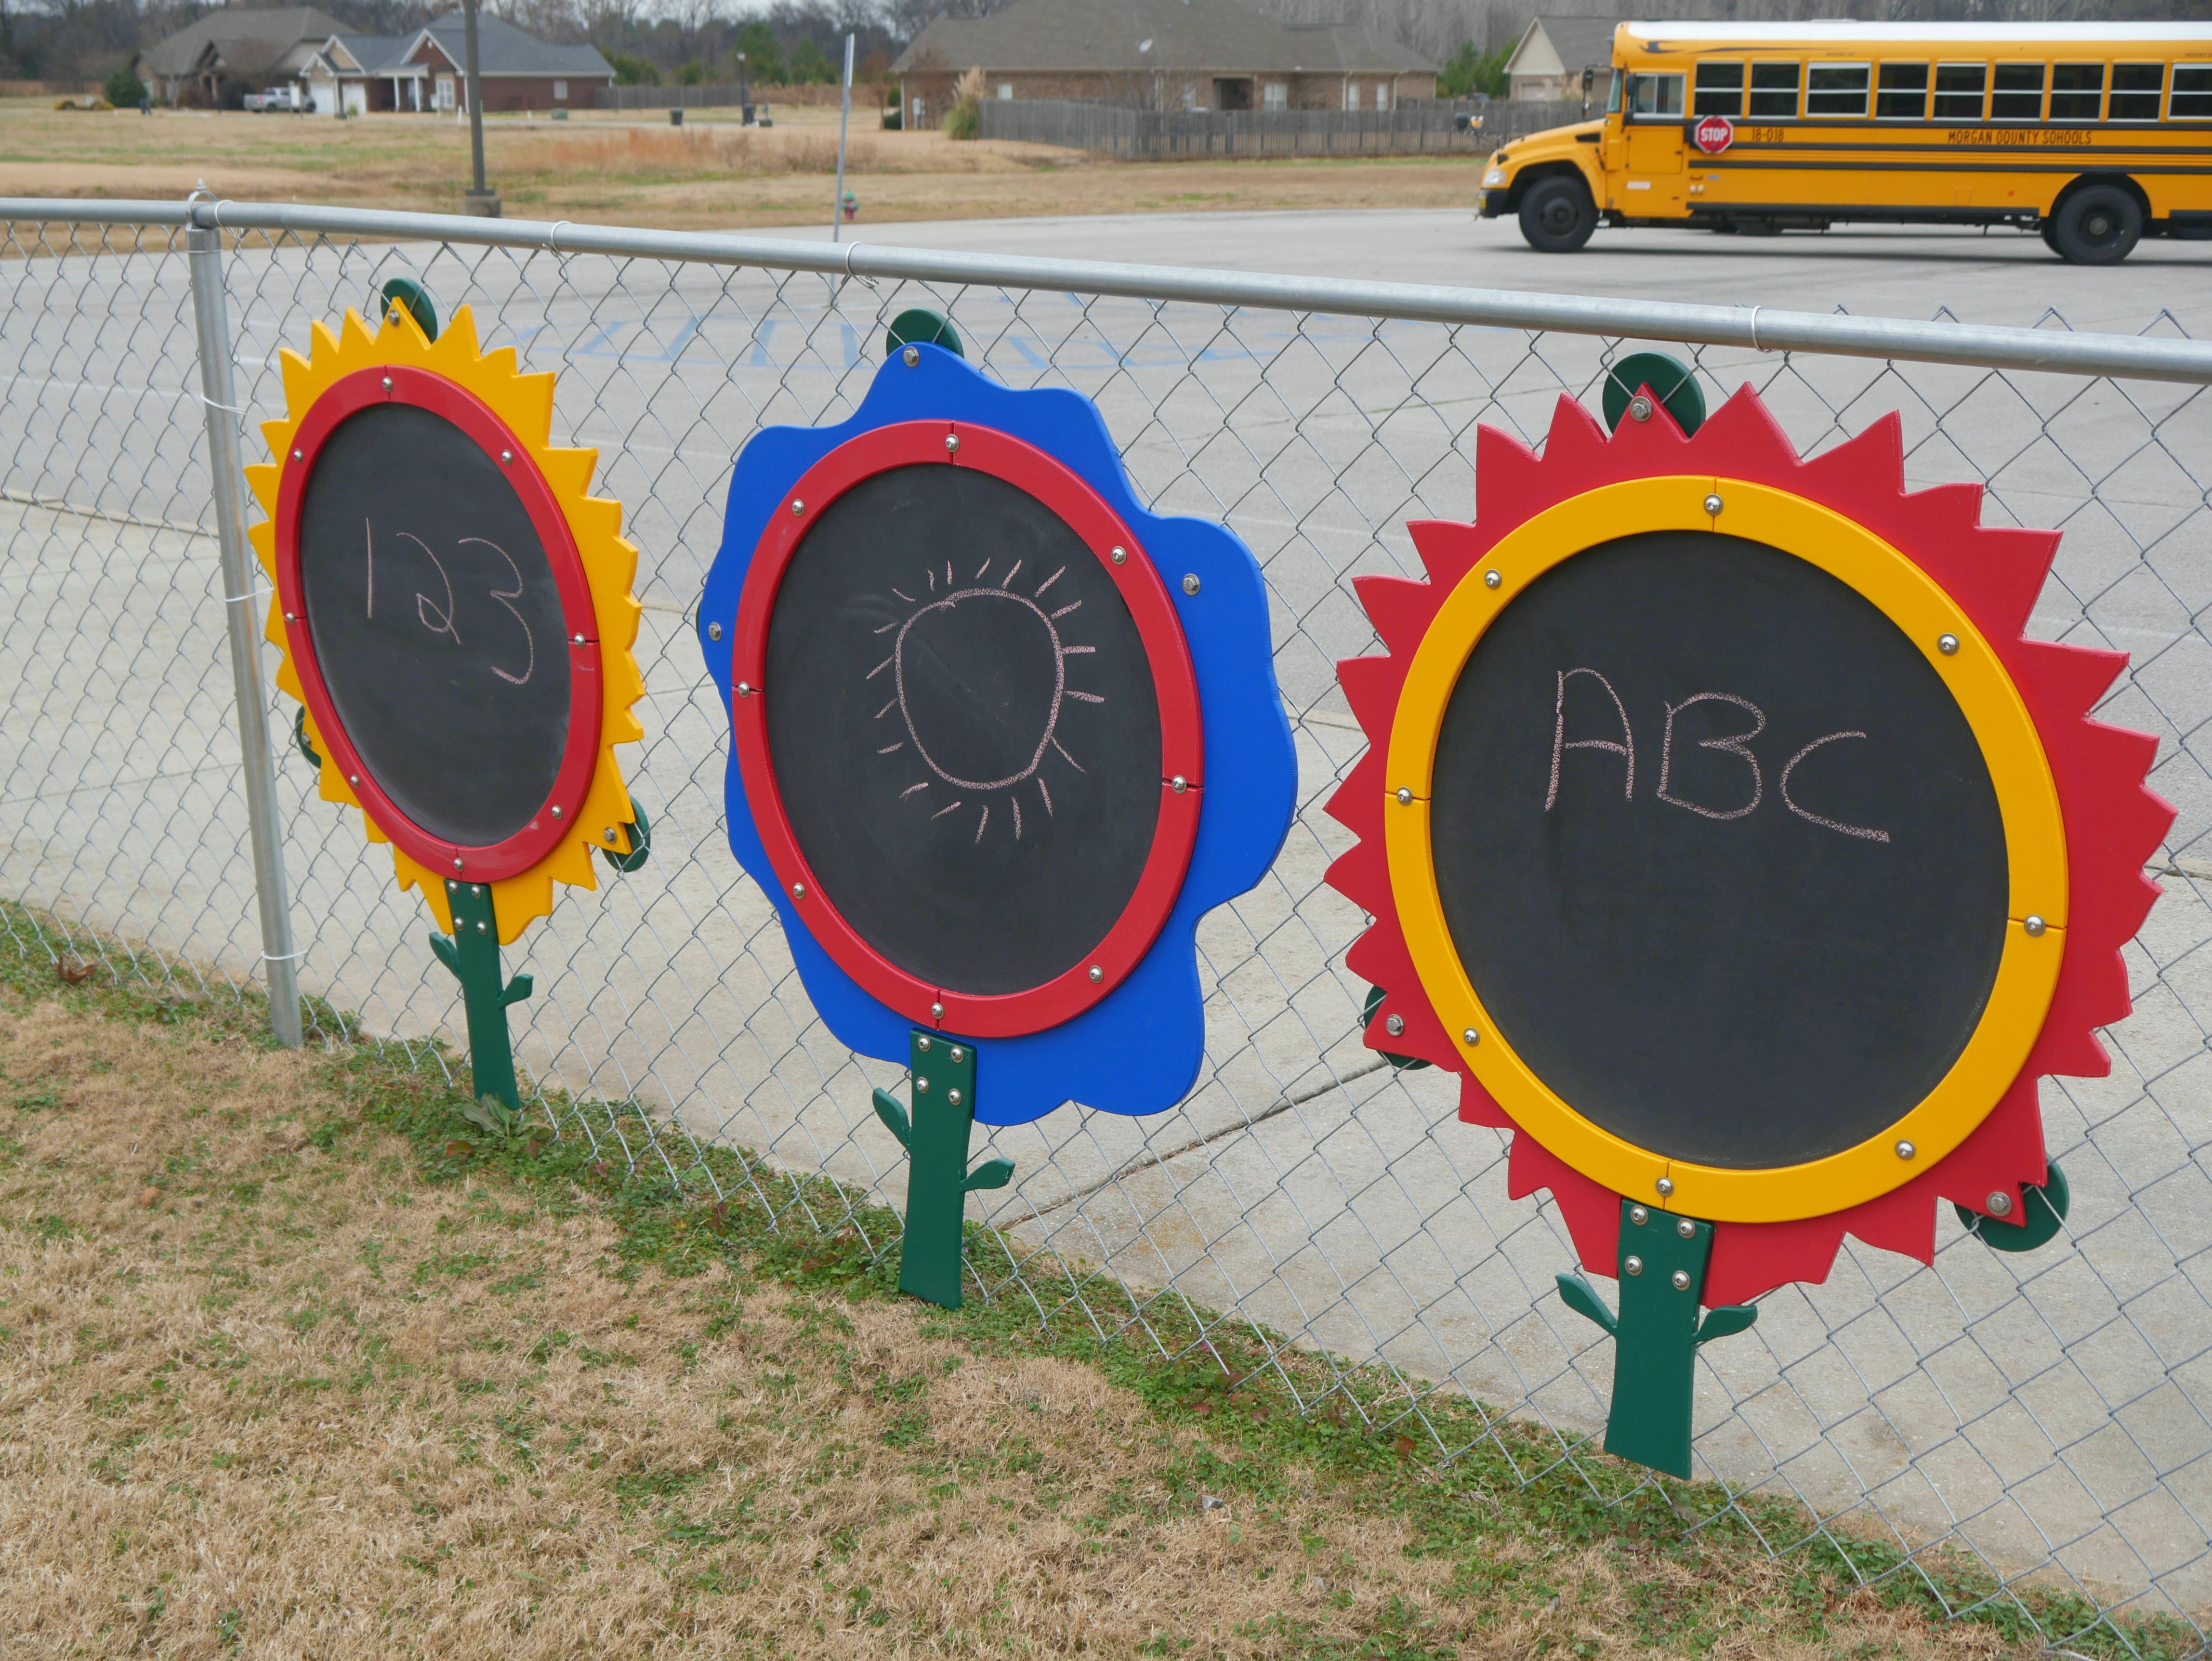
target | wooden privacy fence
x=1153, y=135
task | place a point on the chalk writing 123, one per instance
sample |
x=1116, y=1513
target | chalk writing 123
x=427, y=610
x=1736, y=744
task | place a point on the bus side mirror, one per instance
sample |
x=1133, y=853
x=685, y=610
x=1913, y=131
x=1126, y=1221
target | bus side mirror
x=1589, y=78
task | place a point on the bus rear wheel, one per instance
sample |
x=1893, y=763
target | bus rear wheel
x=1557, y=215
x=2098, y=225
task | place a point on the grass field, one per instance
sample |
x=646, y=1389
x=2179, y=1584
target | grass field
x=294, y=1361
x=633, y=169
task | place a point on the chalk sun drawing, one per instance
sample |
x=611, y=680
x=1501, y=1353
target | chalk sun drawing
x=1024, y=738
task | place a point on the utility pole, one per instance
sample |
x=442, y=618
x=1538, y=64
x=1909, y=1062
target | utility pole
x=480, y=201
x=844, y=116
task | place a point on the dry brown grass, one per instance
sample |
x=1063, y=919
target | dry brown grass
x=265, y=1391
x=711, y=153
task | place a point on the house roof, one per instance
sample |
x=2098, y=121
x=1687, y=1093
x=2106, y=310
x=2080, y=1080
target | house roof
x=245, y=38
x=1148, y=35
x=503, y=49
x=371, y=54
x=1563, y=46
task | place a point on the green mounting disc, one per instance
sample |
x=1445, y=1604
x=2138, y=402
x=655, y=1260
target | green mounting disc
x=2041, y=1211
x=920, y=326
x=406, y=291
x=1403, y=1063
x=1676, y=388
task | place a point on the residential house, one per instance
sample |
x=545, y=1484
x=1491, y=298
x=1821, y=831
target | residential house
x=1158, y=54
x=1548, y=62
x=216, y=61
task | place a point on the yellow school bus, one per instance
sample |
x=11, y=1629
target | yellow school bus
x=2094, y=134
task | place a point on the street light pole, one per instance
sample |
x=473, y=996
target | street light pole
x=745, y=104
x=481, y=202
x=844, y=117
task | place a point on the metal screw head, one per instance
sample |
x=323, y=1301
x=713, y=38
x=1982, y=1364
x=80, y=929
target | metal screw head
x=744, y=689
x=1178, y=784
x=1405, y=795
x=1713, y=504
x=953, y=1095
x=1190, y=582
x=480, y=928
x=1633, y=1265
x=921, y=1086
x=1638, y=1216
x=1948, y=645
x=958, y=1055
x=922, y=1043
x=506, y=455
x=798, y=889
x=951, y=442
x=1665, y=1186
x=611, y=834
x=457, y=862
x=387, y=380
x=1470, y=1037
x=1396, y=1026
x=1491, y=578
x=1121, y=556
x=936, y=1013
x=353, y=778
x=1681, y=1279
x=297, y=456
x=1906, y=1150
x=1687, y=1229
x=713, y=631
x=556, y=812
x=1639, y=408
x=1999, y=1203
x=475, y=888
x=2034, y=924
x=576, y=640
x=911, y=356
x=288, y=617
x=797, y=507
x=1097, y=974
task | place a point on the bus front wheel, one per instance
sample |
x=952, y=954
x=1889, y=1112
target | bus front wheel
x=1557, y=215
x=2098, y=225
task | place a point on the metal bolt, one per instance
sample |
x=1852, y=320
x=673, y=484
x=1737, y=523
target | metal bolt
x=1121, y=556
x=951, y=443
x=1097, y=974
x=1906, y=1150
x=480, y=928
x=387, y=380
x=799, y=891
x=578, y=640
x=1190, y=582
x=796, y=505
x=475, y=888
x=1687, y=1229
x=713, y=631
x=611, y=834
x=953, y=1095
x=911, y=356
x=1491, y=578
x=1638, y=1216
x=297, y=456
x=1405, y=796
x=353, y=778
x=1681, y=1279
x=744, y=689
x=506, y=455
x=1633, y=1265
x=922, y=1043
x=1396, y=1026
x=457, y=862
x=1948, y=645
x=936, y=1013
x=2000, y=1203
x=921, y=1086
x=1471, y=1036
x=2034, y=924
x=1639, y=408
x=1713, y=504
x=1665, y=1186
x=288, y=617
x=556, y=812
x=1178, y=784
x=958, y=1055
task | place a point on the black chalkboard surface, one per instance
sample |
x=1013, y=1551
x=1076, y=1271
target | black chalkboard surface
x=436, y=622
x=963, y=728
x=1718, y=850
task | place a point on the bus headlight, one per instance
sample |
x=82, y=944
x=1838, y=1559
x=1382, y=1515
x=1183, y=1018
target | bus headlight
x=1495, y=176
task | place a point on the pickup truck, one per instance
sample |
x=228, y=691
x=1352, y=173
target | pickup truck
x=276, y=98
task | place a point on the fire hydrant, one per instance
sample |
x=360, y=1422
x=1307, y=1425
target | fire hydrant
x=852, y=205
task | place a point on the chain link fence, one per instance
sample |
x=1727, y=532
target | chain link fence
x=2046, y=1421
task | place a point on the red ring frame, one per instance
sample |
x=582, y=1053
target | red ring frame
x=1182, y=751
x=449, y=400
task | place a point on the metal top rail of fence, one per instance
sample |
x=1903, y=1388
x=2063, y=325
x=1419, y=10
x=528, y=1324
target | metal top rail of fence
x=2031, y=1433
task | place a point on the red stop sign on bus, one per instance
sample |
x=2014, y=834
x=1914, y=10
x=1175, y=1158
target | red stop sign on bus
x=1714, y=134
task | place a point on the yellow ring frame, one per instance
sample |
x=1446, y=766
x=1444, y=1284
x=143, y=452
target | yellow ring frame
x=2027, y=801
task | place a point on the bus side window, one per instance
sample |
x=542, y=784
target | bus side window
x=1903, y=92
x=2135, y=87
x=2018, y=94
x=1720, y=89
x=1837, y=90
x=1655, y=95
x=2077, y=92
x=2192, y=92
x=1774, y=91
x=1959, y=89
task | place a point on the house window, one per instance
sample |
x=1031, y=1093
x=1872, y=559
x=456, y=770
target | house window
x=1351, y=94
x=1774, y=91
x=1382, y=94
x=560, y=89
x=2018, y=94
x=2077, y=92
x=1006, y=89
x=1958, y=91
x=1720, y=89
x=1901, y=94
x=1189, y=96
x=1275, y=96
x=1837, y=90
x=445, y=91
x=2135, y=87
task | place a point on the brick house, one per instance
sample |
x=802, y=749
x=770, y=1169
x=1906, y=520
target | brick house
x=213, y=62
x=358, y=75
x=1158, y=54
x=1548, y=61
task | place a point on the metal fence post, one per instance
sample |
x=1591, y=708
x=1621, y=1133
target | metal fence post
x=211, y=323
